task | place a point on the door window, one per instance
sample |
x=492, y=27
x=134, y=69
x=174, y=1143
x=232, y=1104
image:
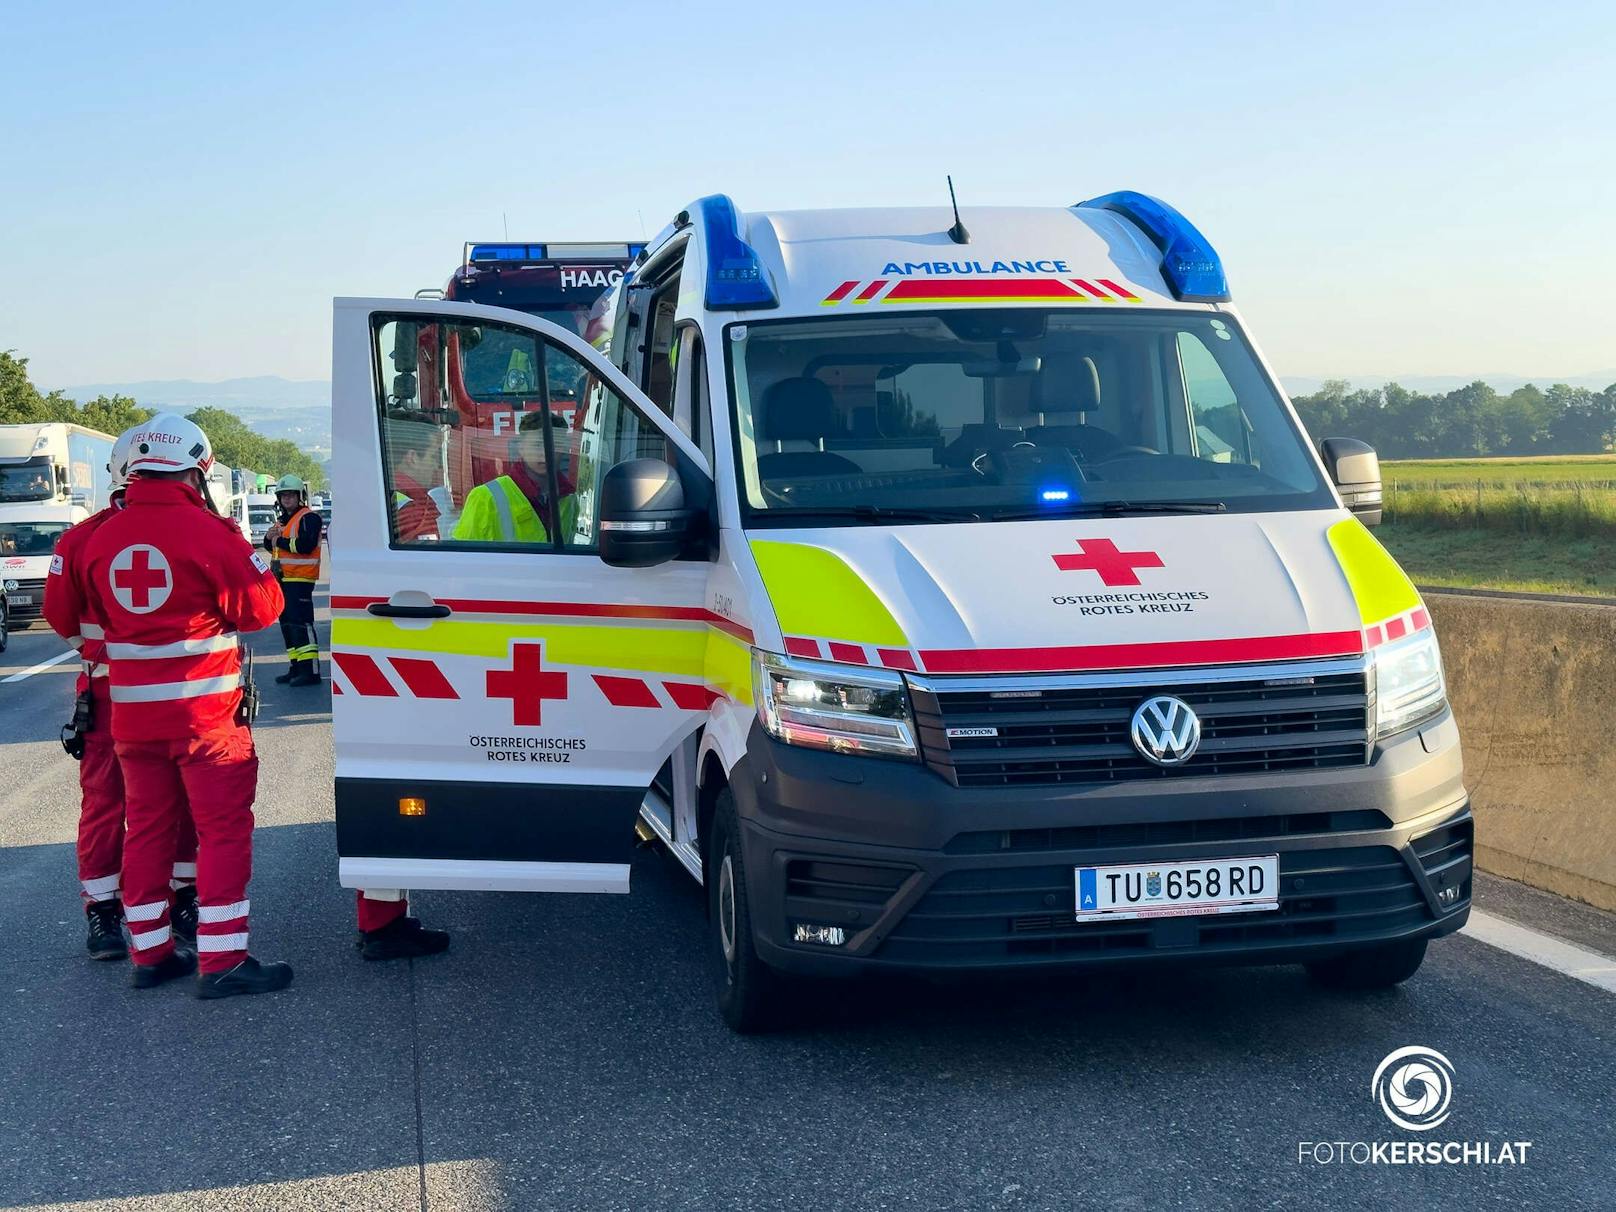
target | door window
x=1222, y=433
x=495, y=437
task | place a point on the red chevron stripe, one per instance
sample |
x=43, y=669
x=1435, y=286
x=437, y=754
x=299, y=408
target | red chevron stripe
x=626, y=692
x=423, y=678
x=364, y=675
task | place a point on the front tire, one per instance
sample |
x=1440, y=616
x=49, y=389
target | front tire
x=5, y=626
x=1378, y=967
x=748, y=989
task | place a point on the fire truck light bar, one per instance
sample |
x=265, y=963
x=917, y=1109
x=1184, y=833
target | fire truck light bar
x=528, y=254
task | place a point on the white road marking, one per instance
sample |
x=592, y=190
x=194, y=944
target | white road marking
x=28, y=673
x=1577, y=962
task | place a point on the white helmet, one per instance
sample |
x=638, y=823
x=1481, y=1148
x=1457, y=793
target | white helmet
x=119, y=466
x=169, y=443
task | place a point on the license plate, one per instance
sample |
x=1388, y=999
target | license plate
x=1200, y=886
x=20, y=599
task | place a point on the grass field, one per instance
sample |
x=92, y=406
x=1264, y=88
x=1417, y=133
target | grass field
x=1490, y=559
x=1541, y=525
x=1504, y=472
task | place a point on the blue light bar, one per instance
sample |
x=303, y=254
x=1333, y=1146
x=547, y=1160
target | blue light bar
x=1189, y=262
x=507, y=252
x=736, y=277
x=1055, y=494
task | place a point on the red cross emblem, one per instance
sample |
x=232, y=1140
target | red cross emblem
x=526, y=684
x=1101, y=556
x=141, y=580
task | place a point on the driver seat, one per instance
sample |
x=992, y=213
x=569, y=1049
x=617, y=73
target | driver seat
x=1069, y=385
x=800, y=410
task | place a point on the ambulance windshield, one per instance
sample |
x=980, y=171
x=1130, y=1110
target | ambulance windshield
x=1009, y=413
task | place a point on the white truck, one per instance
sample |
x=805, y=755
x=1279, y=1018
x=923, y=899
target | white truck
x=260, y=515
x=51, y=475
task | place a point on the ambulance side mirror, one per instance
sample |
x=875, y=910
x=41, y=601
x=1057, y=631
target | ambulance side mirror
x=643, y=516
x=1355, y=471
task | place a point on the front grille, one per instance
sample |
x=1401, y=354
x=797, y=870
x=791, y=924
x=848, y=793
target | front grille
x=1075, y=730
x=1165, y=833
x=1028, y=913
x=31, y=589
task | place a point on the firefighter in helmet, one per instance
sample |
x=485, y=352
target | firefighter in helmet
x=294, y=542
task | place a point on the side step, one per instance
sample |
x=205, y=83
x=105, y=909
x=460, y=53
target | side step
x=655, y=823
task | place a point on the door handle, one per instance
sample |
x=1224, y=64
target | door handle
x=389, y=611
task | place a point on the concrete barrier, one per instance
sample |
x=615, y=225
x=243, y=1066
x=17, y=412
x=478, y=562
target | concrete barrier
x=1533, y=684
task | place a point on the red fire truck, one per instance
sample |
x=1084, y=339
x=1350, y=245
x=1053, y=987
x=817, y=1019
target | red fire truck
x=479, y=383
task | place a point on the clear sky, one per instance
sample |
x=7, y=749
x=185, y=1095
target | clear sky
x=1396, y=188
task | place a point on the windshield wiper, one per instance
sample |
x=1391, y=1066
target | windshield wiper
x=1112, y=509
x=877, y=513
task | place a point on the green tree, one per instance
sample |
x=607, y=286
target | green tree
x=236, y=444
x=1522, y=420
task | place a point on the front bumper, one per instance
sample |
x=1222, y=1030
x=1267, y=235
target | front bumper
x=31, y=611
x=923, y=875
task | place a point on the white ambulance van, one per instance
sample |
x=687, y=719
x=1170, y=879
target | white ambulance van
x=946, y=596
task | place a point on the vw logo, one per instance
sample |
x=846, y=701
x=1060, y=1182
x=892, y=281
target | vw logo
x=1165, y=730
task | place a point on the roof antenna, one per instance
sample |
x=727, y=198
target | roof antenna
x=957, y=233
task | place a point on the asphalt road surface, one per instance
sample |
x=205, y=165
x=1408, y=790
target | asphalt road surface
x=566, y=1054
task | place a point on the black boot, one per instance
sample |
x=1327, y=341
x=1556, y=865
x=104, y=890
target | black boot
x=404, y=939
x=178, y=962
x=182, y=914
x=249, y=976
x=105, y=938
x=291, y=672
x=305, y=673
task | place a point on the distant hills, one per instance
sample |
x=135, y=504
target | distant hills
x=296, y=409
x=270, y=391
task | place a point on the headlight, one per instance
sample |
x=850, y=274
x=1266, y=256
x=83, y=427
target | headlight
x=1408, y=683
x=837, y=707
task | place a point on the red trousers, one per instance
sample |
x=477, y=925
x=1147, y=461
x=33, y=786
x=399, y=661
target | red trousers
x=101, y=812
x=216, y=775
x=374, y=914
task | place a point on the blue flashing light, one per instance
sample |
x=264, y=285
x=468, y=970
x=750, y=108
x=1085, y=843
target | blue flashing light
x=1052, y=495
x=736, y=277
x=507, y=252
x=1189, y=262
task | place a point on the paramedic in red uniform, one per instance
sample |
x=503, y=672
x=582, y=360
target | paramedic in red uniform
x=100, y=834
x=174, y=585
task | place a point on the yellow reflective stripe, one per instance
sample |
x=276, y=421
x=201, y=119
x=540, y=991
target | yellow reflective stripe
x=698, y=653
x=680, y=651
x=815, y=593
x=1381, y=588
x=729, y=665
